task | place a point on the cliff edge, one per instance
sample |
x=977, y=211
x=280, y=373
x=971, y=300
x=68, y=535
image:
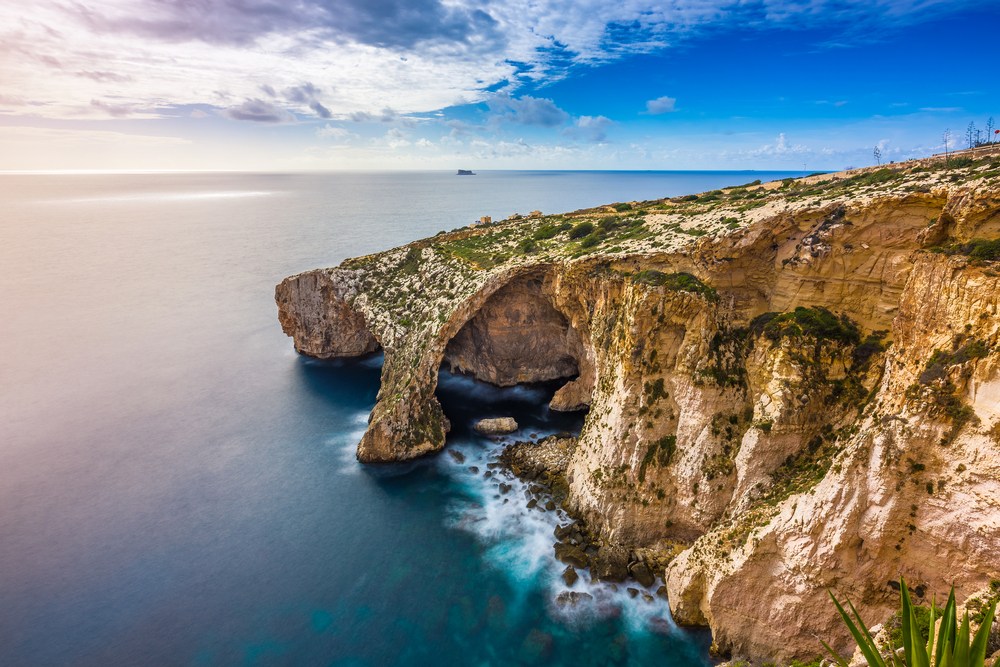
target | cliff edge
x=799, y=380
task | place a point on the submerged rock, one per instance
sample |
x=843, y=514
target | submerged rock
x=632, y=592
x=457, y=455
x=661, y=592
x=498, y=426
x=572, y=598
x=536, y=647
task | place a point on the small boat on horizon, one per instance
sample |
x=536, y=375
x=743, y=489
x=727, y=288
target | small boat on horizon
x=465, y=172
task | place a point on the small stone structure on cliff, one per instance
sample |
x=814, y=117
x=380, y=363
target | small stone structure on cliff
x=799, y=380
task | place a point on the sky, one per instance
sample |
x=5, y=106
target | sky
x=292, y=85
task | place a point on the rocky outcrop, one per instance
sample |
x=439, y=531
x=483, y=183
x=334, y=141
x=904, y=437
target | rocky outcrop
x=313, y=309
x=497, y=426
x=800, y=383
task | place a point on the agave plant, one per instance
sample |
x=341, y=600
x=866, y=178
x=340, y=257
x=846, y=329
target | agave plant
x=951, y=649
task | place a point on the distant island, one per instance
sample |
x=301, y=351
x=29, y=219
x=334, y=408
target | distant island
x=465, y=172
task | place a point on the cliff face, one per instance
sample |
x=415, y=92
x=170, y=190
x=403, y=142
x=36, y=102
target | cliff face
x=795, y=386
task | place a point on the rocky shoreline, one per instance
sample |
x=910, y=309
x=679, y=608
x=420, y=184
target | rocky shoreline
x=544, y=464
x=792, y=387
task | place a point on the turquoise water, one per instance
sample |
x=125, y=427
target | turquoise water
x=178, y=487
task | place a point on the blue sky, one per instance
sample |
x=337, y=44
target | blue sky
x=540, y=84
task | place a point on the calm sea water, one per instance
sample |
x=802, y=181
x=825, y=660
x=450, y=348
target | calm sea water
x=178, y=487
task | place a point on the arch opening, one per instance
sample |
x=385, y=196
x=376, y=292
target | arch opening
x=519, y=337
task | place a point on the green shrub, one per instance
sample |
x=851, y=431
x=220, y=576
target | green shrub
x=951, y=647
x=623, y=207
x=411, y=263
x=608, y=222
x=679, y=282
x=590, y=241
x=581, y=230
x=545, y=232
x=816, y=321
x=988, y=250
x=526, y=245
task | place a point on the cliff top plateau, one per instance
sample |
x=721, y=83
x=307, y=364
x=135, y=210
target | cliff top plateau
x=797, y=382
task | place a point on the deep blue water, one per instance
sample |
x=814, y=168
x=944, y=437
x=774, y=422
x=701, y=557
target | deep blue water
x=178, y=487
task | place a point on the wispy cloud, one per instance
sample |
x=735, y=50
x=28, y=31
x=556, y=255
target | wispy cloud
x=259, y=111
x=335, y=132
x=411, y=55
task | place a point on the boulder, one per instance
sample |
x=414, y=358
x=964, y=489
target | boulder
x=572, y=598
x=457, y=455
x=632, y=592
x=661, y=592
x=570, y=576
x=612, y=563
x=498, y=426
x=571, y=555
x=642, y=574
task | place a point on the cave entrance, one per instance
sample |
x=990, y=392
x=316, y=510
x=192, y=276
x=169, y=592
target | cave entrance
x=518, y=337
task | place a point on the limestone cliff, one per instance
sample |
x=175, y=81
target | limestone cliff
x=799, y=380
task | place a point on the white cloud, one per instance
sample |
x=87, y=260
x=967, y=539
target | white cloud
x=338, y=58
x=527, y=110
x=660, y=105
x=424, y=143
x=591, y=128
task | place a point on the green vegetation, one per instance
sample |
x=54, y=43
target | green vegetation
x=581, y=230
x=659, y=453
x=590, y=241
x=804, y=470
x=679, y=282
x=817, y=322
x=411, y=263
x=975, y=249
x=548, y=231
x=621, y=208
x=937, y=365
x=952, y=647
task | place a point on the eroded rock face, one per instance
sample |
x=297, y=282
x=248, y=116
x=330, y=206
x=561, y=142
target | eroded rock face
x=790, y=451
x=517, y=336
x=313, y=309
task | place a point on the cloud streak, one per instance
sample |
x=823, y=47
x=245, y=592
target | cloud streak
x=411, y=55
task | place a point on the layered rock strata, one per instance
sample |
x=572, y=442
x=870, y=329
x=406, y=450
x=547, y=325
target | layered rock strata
x=800, y=381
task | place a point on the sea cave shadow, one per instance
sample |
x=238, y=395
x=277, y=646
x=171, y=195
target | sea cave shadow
x=466, y=400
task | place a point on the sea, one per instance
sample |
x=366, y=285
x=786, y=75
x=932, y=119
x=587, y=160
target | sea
x=179, y=487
